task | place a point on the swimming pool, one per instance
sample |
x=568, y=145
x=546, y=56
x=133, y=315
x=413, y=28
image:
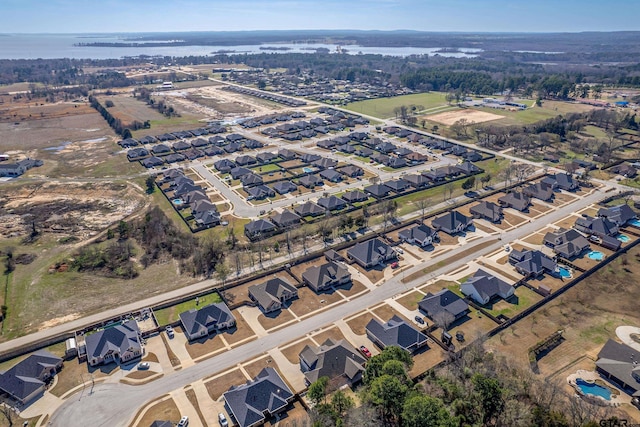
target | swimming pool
x=623, y=238
x=564, y=272
x=177, y=201
x=635, y=222
x=307, y=170
x=593, y=389
x=596, y=255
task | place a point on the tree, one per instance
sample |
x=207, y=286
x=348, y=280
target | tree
x=9, y=262
x=489, y=394
x=9, y=415
x=421, y=410
x=126, y=134
x=486, y=179
x=468, y=183
x=318, y=390
x=423, y=205
x=341, y=402
x=222, y=271
x=375, y=365
x=444, y=319
x=108, y=103
x=262, y=84
x=388, y=394
x=150, y=182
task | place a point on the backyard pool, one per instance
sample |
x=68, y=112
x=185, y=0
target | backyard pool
x=635, y=222
x=177, y=202
x=564, y=272
x=596, y=255
x=593, y=389
x=623, y=238
x=307, y=170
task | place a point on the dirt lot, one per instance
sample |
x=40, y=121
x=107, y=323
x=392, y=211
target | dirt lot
x=292, y=352
x=241, y=293
x=308, y=301
x=299, y=269
x=206, y=345
x=334, y=333
x=358, y=323
x=241, y=332
x=254, y=368
x=24, y=110
x=273, y=320
x=218, y=385
x=450, y=117
x=374, y=274
x=427, y=359
x=385, y=313
x=411, y=300
x=352, y=288
x=165, y=410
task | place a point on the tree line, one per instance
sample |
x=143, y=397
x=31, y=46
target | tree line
x=122, y=129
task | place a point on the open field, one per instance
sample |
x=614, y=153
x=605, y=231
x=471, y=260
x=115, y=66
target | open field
x=383, y=107
x=450, y=117
x=128, y=109
x=21, y=111
x=534, y=114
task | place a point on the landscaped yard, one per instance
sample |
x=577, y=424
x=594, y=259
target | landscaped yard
x=523, y=298
x=171, y=314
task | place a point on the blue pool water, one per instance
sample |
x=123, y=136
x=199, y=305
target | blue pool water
x=307, y=170
x=177, y=201
x=623, y=238
x=593, y=389
x=564, y=272
x=597, y=255
x=635, y=222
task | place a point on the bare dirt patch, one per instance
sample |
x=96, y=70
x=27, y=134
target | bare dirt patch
x=358, y=323
x=273, y=320
x=241, y=331
x=292, y=352
x=333, y=333
x=204, y=346
x=220, y=384
x=308, y=301
x=450, y=117
x=165, y=410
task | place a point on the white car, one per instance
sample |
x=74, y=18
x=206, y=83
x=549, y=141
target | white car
x=223, y=420
x=170, y=332
x=144, y=366
x=184, y=422
x=399, y=250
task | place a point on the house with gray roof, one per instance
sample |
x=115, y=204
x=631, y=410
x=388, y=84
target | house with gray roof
x=238, y=172
x=207, y=218
x=351, y=171
x=597, y=226
x=445, y=301
x=421, y=235
x=540, y=191
x=371, y=253
x=483, y=287
x=259, y=229
x=309, y=209
x=272, y=294
x=136, y=153
x=620, y=364
x=284, y=187
x=266, y=157
x=563, y=181
x=398, y=185
x=224, y=165
x=395, y=332
x=378, y=190
x=326, y=276
x=213, y=151
x=619, y=214
x=337, y=360
x=245, y=160
x=354, y=196
x=160, y=149
x=198, y=323
x=285, y=219
x=119, y=343
x=452, y=222
x=287, y=154
x=325, y=163
x=27, y=379
x=487, y=210
x=331, y=175
x=417, y=180
x=566, y=243
x=516, y=200
x=532, y=263
x=203, y=205
x=151, y=162
x=251, y=179
x=310, y=181
x=194, y=196
x=252, y=403
x=260, y=192
x=332, y=203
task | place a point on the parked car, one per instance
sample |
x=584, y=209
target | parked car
x=395, y=264
x=144, y=366
x=365, y=351
x=399, y=250
x=170, y=332
x=184, y=421
x=223, y=420
x=420, y=320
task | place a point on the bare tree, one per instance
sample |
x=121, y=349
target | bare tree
x=423, y=205
x=9, y=414
x=444, y=319
x=237, y=258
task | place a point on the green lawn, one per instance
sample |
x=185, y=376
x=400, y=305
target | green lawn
x=271, y=167
x=383, y=107
x=172, y=314
x=524, y=298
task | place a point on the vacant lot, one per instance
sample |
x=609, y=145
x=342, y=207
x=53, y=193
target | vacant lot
x=384, y=107
x=450, y=117
x=129, y=109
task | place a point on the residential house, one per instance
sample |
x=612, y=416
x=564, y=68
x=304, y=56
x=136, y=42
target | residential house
x=251, y=179
x=327, y=144
x=452, y=222
x=136, y=153
x=214, y=151
x=232, y=147
x=194, y=196
x=371, y=253
x=467, y=168
x=346, y=148
x=337, y=360
x=272, y=294
x=620, y=364
x=325, y=276
x=403, y=152
x=181, y=146
x=174, y=158
x=284, y=187
x=395, y=332
x=160, y=149
x=149, y=162
x=566, y=243
x=378, y=190
x=416, y=158
x=597, y=226
x=472, y=156
x=203, y=205
x=119, y=343
x=224, y=165
x=332, y=203
x=267, y=395
x=624, y=169
x=245, y=160
x=266, y=157
x=310, y=181
x=252, y=144
x=619, y=214
x=540, y=190
x=287, y=154
x=420, y=235
x=27, y=379
x=286, y=219
x=532, y=263
x=259, y=229
x=331, y=175
x=325, y=163
x=207, y=219
x=199, y=143
x=185, y=188
x=364, y=152
x=259, y=192
x=398, y=185
x=198, y=323
x=516, y=200
x=351, y=171
x=354, y=196
x=396, y=162
x=309, y=209
x=310, y=158
x=487, y=210
x=434, y=306
x=417, y=181
x=564, y=181
x=483, y=287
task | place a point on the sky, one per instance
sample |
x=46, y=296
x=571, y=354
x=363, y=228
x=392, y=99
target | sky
x=99, y=16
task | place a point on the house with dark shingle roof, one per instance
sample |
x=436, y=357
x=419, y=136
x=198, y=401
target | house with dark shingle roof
x=371, y=253
x=619, y=214
x=245, y=160
x=566, y=243
x=272, y=294
x=487, y=210
x=259, y=192
x=267, y=395
x=398, y=185
x=337, y=360
x=310, y=158
x=174, y=158
x=160, y=149
x=287, y=154
x=452, y=222
x=532, y=263
x=207, y=218
x=203, y=321
x=417, y=181
x=325, y=276
x=284, y=187
x=27, y=379
x=420, y=235
x=354, y=196
x=181, y=145
x=346, y=148
x=597, y=226
x=308, y=209
x=396, y=332
x=266, y=157
x=483, y=287
x=396, y=162
x=285, y=219
x=259, y=229
x=331, y=175
x=416, y=158
x=136, y=153
x=238, y=172
x=540, y=191
x=332, y=203
x=203, y=205
x=445, y=301
x=351, y=171
x=194, y=196
x=515, y=200
x=251, y=179
x=214, y=151
x=310, y=181
x=119, y=343
x=224, y=165
x=563, y=181
x=152, y=162
x=620, y=364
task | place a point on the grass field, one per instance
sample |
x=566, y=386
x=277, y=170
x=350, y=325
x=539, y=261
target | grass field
x=167, y=124
x=128, y=109
x=172, y=314
x=383, y=107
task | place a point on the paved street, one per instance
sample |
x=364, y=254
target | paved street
x=115, y=404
